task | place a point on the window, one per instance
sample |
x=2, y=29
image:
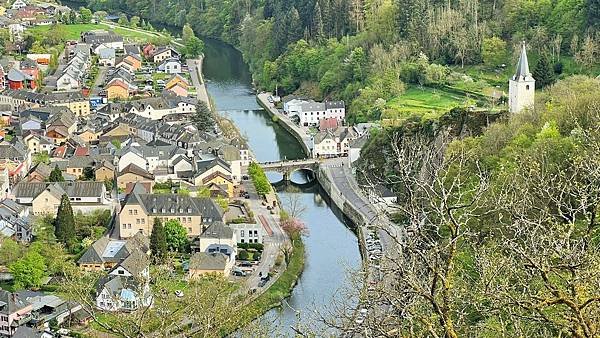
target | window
x=242, y=240
x=131, y=212
x=121, y=272
x=137, y=221
x=143, y=221
x=189, y=220
x=135, y=212
x=527, y=87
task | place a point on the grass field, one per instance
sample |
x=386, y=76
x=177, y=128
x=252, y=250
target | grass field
x=73, y=32
x=423, y=100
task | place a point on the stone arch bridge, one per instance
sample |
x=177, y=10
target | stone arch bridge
x=286, y=168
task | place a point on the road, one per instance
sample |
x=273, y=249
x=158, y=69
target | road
x=97, y=87
x=195, y=69
x=272, y=243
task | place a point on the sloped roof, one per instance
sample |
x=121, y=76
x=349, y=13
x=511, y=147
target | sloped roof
x=208, y=261
x=522, y=71
x=217, y=230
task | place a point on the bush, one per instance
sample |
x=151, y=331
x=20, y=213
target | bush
x=256, y=246
x=242, y=245
x=243, y=255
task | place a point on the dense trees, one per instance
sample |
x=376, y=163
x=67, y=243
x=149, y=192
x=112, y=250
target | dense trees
x=176, y=236
x=543, y=73
x=29, y=271
x=501, y=227
x=56, y=175
x=260, y=180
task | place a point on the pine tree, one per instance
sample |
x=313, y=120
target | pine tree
x=64, y=224
x=56, y=175
x=203, y=119
x=543, y=73
x=158, y=242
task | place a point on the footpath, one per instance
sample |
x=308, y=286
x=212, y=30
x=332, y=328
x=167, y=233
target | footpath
x=195, y=69
x=298, y=132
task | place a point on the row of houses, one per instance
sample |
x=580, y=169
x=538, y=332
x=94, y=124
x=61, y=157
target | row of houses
x=309, y=112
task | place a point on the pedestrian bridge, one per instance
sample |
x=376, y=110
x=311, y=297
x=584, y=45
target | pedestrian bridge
x=286, y=168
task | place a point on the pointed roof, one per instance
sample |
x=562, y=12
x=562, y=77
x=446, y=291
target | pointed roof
x=522, y=72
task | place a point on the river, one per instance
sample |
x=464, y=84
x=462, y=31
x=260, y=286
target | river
x=332, y=249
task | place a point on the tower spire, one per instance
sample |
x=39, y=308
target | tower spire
x=523, y=66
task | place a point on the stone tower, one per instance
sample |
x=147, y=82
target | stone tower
x=521, y=87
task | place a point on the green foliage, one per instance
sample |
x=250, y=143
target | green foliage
x=56, y=175
x=543, y=73
x=123, y=20
x=116, y=143
x=10, y=251
x=494, y=51
x=203, y=118
x=158, y=242
x=176, y=236
x=243, y=255
x=88, y=174
x=42, y=157
x=29, y=271
x=260, y=180
x=64, y=224
x=85, y=15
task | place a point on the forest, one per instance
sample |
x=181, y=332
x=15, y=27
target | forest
x=370, y=53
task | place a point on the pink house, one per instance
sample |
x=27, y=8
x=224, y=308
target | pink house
x=179, y=90
x=13, y=312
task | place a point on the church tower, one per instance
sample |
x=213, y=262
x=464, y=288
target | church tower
x=521, y=87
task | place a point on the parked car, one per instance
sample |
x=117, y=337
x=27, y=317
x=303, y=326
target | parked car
x=239, y=273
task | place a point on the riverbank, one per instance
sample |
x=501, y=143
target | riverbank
x=303, y=138
x=272, y=297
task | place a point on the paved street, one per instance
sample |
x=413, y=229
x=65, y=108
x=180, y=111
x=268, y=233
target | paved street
x=195, y=69
x=271, y=243
x=97, y=87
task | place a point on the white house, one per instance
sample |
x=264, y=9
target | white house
x=170, y=66
x=68, y=80
x=156, y=108
x=164, y=53
x=132, y=155
x=16, y=29
x=218, y=238
x=106, y=57
x=333, y=142
x=126, y=288
x=18, y=4
x=249, y=232
x=292, y=107
x=310, y=112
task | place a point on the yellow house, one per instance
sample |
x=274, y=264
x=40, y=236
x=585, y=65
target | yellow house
x=177, y=80
x=105, y=171
x=202, y=263
x=131, y=174
x=134, y=61
x=220, y=179
x=78, y=107
x=117, y=89
x=47, y=202
x=89, y=136
x=140, y=210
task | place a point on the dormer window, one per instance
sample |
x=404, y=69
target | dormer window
x=172, y=210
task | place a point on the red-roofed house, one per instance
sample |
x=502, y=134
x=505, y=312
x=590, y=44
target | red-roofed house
x=328, y=123
x=60, y=151
x=148, y=50
x=82, y=151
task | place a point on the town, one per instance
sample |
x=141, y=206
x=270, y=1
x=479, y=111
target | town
x=110, y=152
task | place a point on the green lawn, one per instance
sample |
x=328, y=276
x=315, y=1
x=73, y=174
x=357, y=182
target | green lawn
x=73, y=32
x=425, y=101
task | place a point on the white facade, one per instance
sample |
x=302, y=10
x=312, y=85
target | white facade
x=171, y=66
x=521, y=87
x=310, y=112
x=18, y=4
x=248, y=233
x=157, y=114
x=131, y=157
